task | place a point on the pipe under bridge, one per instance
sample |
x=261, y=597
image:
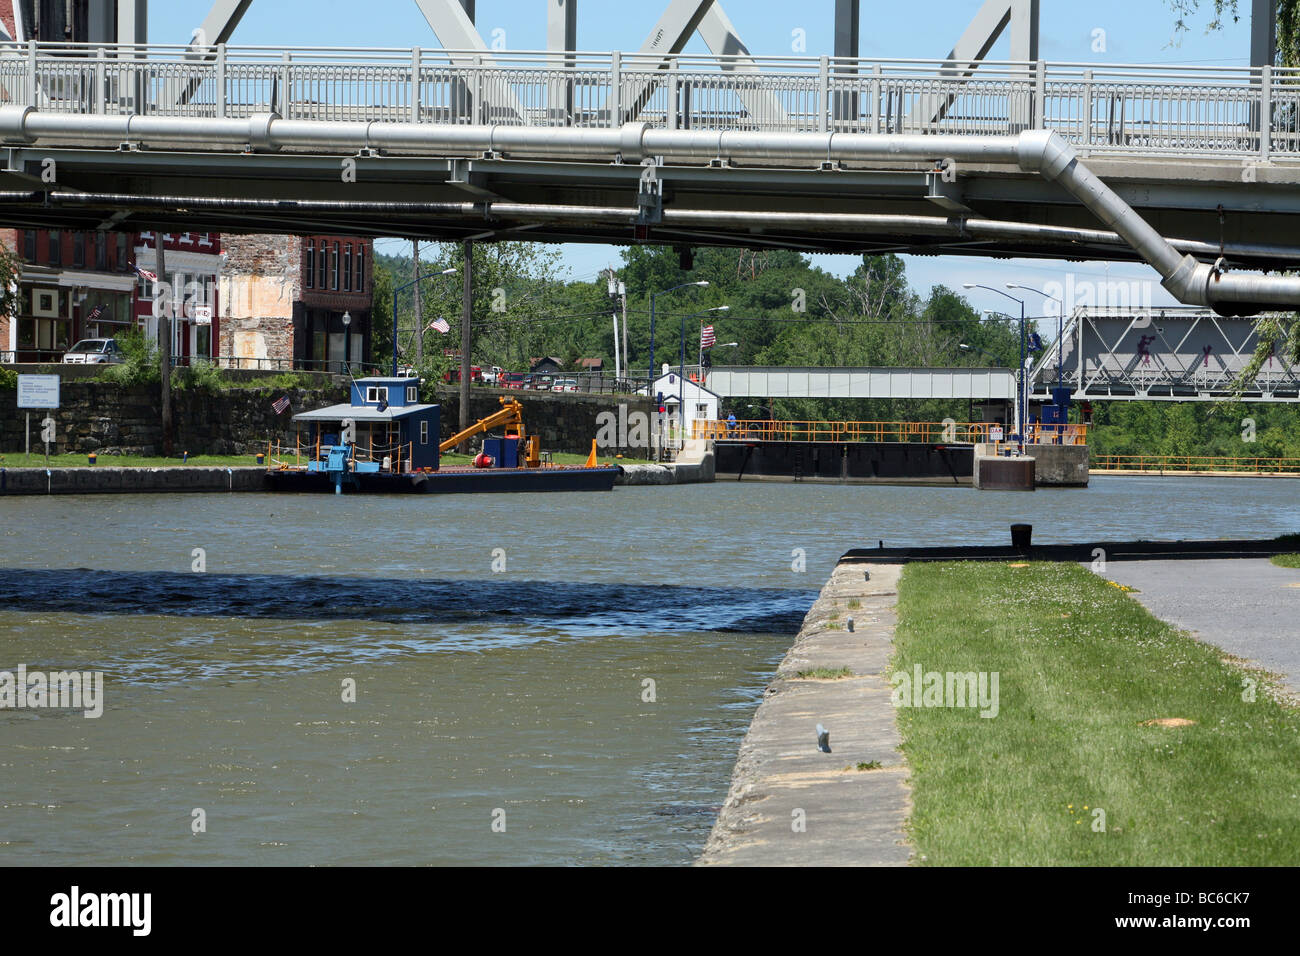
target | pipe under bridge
x=1195, y=171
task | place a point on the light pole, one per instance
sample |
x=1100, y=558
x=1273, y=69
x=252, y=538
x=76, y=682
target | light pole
x=418, y=318
x=654, y=295
x=681, y=372
x=1060, y=329
x=347, y=341
x=1020, y=371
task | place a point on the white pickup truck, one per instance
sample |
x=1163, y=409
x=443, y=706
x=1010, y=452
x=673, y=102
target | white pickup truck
x=493, y=375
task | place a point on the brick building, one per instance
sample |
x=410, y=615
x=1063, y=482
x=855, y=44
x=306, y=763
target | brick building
x=277, y=302
x=297, y=301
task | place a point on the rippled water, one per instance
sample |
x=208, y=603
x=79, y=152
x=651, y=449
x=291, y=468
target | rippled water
x=482, y=688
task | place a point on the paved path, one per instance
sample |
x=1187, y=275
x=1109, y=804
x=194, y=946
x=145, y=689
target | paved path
x=1247, y=606
x=849, y=817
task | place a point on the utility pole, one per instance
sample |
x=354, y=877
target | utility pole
x=419, y=311
x=466, y=338
x=164, y=344
x=622, y=294
x=613, y=311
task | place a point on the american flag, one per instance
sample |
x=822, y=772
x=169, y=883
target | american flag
x=95, y=313
x=144, y=273
x=280, y=404
x=441, y=325
x=707, y=338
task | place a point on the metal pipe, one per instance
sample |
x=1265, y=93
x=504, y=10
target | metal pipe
x=1041, y=151
x=541, y=212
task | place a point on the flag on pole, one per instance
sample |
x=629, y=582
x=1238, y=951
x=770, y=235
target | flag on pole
x=280, y=404
x=707, y=338
x=95, y=313
x=144, y=273
x=439, y=324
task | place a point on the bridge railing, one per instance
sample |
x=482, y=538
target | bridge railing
x=1145, y=109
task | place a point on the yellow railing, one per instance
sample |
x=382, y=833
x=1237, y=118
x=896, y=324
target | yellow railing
x=949, y=433
x=1185, y=463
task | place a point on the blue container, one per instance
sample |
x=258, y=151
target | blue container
x=504, y=451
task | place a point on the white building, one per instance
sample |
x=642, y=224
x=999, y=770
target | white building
x=700, y=405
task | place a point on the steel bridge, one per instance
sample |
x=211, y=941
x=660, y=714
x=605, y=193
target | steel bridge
x=1195, y=171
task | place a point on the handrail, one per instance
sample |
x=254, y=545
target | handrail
x=1147, y=109
x=1184, y=463
x=945, y=433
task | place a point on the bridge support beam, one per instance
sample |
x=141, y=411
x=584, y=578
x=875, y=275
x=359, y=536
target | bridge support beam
x=1263, y=32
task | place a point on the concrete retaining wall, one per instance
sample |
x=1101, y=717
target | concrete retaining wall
x=565, y=421
x=790, y=804
x=1065, y=465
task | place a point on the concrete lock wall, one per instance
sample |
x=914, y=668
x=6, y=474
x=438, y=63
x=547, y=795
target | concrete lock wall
x=112, y=419
x=1064, y=465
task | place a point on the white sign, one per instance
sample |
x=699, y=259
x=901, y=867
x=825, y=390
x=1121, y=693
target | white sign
x=38, y=391
x=995, y=433
x=203, y=315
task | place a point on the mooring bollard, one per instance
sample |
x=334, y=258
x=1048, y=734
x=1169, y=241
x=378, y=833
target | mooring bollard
x=1021, y=534
x=261, y=458
x=92, y=457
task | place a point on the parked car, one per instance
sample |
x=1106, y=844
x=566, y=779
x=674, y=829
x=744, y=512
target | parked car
x=94, y=352
x=565, y=385
x=512, y=380
x=543, y=382
x=475, y=375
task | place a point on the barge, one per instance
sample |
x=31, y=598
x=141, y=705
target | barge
x=385, y=441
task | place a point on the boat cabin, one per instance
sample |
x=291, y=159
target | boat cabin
x=385, y=421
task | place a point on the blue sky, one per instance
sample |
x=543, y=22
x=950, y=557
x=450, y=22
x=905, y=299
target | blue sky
x=1136, y=31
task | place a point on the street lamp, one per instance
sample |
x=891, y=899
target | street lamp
x=654, y=295
x=418, y=319
x=347, y=342
x=1020, y=371
x=681, y=377
x=1060, y=329
x=650, y=379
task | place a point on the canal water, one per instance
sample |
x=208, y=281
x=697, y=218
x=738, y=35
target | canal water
x=539, y=679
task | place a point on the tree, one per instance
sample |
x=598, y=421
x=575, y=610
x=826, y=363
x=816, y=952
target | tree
x=1288, y=22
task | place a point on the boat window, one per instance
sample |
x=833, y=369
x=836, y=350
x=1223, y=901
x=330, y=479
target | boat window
x=412, y=395
x=424, y=433
x=376, y=393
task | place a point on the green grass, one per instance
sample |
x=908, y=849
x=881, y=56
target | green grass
x=865, y=765
x=19, y=460
x=1286, y=560
x=824, y=673
x=1081, y=666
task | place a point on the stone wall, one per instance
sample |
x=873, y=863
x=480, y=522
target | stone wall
x=565, y=421
x=111, y=419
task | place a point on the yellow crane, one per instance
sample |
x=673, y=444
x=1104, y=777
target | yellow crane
x=511, y=417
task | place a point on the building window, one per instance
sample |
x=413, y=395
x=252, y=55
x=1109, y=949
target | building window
x=311, y=264
x=412, y=395
x=424, y=433
x=120, y=264
x=334, y=267
x=347, y=268
x=205, y=239
x=359, y=282
x=29, y=245
x=101, y=251
x=79, y=250
x=56, y=247
x=320, y=266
